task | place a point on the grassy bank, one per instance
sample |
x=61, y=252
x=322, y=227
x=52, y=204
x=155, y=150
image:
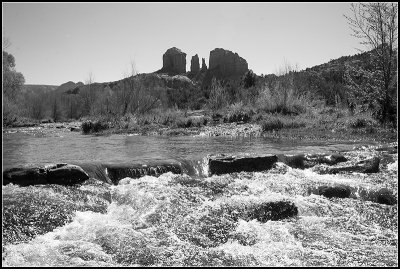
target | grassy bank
x=315, y=124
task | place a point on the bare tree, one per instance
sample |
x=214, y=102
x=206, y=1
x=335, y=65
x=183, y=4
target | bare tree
x=375, y=24
x=88, y=95
x=6, y=43
x=132, y=96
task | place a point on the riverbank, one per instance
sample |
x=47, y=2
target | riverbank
x=326, y=125
x=311, y=133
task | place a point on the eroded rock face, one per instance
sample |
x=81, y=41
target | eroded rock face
x=203, y=64
x=194, y=64
x=225, y=63
x=62, y=174
x=174, y=61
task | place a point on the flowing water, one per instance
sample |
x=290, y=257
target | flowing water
x=187, y=220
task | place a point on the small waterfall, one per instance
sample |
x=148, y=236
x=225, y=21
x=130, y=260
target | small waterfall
x=199, y=168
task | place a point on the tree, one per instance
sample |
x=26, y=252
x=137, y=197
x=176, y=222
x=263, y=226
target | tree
x=55, y=110
x=218, y=96
x=249, y=79
x=6, y=43
x=132, y=96
x=12, y=80
x=88, y=95
x=375, y=24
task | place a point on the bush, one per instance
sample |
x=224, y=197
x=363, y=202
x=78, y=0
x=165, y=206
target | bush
x=284, y=101
x=273, y=124
x=86, y=127
x=238, y=112
x=276, y=122
x=89, y=126
x=10, y=111
x=218, y=96
x=361, y=122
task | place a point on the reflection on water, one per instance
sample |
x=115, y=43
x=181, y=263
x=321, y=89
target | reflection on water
x=36, y=147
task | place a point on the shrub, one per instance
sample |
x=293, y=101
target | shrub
x=218, y=96
x=239, y=112
x=361, y=122
x=86, y=126
x=276, y=122
x=273, y=124
x=10, y=111
x=89, y=126
x=284, y=101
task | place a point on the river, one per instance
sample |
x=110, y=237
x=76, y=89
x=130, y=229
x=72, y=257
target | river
x=184, y=220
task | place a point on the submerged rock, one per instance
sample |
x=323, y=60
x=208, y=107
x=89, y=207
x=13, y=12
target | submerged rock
x=388, y=149
x=266, y=211
x=339, y=191
x=386, y=197
x=62, y=174
x=366, y=166
x=220, y=164
x=303, y=161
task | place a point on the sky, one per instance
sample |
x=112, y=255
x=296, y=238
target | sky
x=54, y=43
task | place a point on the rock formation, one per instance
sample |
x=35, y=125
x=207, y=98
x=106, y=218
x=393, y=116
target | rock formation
x=225, y=63
x=194, y=64
x=174, y=61
x=203, y=64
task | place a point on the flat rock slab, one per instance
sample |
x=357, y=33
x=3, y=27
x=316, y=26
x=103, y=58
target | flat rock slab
x=62, y=174
x=116, y=172
x=221, y=164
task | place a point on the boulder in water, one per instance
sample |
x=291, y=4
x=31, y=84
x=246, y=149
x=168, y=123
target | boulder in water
x=62, y=174
x=302, y=161
x=386, y=197
x=339, y=191
x=270, y=211
x=221, y=164
x=388, y=149
x=366, y=166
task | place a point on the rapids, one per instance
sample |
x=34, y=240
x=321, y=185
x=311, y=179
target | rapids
x=269, y=218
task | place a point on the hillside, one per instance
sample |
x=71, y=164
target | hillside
x=31, y=88
x=325, y=81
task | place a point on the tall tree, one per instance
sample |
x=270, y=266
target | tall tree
x=12, y=80
x=88, y=95
x=375, y=24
